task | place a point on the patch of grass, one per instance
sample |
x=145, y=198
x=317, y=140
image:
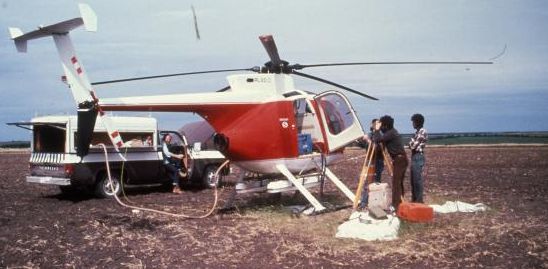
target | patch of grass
x=411, y=229
x=436, y=199
x=320, y=229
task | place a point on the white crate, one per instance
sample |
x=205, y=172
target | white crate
x=380, y=194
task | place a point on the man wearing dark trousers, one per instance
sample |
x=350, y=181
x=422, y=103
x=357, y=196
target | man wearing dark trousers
x=387, y=134
x=378, y=162
x=172, y=163
x=417, y=144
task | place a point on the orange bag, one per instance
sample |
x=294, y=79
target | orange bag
x=415, y=212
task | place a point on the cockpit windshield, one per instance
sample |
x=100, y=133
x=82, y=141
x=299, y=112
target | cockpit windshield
x=338, y=114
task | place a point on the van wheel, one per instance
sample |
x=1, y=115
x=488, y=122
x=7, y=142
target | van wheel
x=103, y=189
x=208, y=179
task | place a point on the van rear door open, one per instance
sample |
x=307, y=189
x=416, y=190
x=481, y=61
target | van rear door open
x=46, y=136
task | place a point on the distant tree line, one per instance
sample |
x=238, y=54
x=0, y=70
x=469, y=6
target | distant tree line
x=433, y=136
x=477, y=138
x=15, y=144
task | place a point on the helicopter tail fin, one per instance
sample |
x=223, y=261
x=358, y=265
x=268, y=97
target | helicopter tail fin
x=73, y=69
x=20, y=45
x=75, y=75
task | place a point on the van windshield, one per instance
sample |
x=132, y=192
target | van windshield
x=49, y=138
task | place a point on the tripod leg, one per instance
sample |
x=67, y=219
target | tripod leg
x=387, y=161
x=364, y=173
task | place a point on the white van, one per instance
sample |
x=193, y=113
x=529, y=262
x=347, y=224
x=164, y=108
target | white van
x=54, y=161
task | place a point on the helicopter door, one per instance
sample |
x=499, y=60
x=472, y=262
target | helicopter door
x=339, y=119
x=308, y=127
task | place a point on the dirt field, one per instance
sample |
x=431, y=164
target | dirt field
x=42, y=228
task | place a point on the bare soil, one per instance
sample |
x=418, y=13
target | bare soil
x=41, y=228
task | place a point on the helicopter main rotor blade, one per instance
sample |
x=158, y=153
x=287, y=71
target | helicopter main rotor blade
x=333, y=84
x=301, y=66
x=173, y=75
x=271, y=49
x=224, y=89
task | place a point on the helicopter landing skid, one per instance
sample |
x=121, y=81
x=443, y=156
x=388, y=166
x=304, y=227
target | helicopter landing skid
x=318, y=207
x=300, y=183
x=276, y=185
x=301, y=186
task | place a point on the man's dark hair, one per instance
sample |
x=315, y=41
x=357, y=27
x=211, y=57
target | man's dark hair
x=418, y=119
x=372, y=122
x=387, y=122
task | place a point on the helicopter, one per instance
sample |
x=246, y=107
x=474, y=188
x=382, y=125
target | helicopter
x=263, y=124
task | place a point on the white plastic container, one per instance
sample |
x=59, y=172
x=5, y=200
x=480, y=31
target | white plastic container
x=380, y=194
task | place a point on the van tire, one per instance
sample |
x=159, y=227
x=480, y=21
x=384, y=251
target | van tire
x=208, y=177
x=102, y=186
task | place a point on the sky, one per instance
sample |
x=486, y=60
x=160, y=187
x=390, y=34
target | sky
x=141, y=38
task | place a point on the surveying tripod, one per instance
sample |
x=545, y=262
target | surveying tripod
x=369, y=157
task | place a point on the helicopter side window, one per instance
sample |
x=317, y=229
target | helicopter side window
x=337, y=113
x=299, y=108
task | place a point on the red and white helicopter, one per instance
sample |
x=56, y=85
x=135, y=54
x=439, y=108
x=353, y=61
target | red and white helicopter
x=263, y=123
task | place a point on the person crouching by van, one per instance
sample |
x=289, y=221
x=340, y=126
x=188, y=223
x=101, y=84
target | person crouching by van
x=172, y=163
x=387, y=134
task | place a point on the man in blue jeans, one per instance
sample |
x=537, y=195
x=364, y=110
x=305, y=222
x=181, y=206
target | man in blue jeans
x=417, y=144
x=378, y=162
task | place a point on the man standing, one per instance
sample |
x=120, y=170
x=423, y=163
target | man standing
x=417, y=144
x=385, y=133
x=378, y=162
x=378, y=157
x=171, y=161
